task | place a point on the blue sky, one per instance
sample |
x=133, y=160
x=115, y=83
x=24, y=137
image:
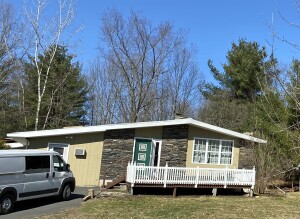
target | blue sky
x=212, y=25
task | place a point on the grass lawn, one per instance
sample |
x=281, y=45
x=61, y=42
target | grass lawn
x=187, y=207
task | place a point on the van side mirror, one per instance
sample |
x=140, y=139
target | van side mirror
x=68, y=167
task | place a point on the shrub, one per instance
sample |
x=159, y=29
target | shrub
x=3, y=146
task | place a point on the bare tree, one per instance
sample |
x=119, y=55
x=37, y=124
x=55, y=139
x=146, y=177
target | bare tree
x=11, y=51
x=10, y=43
x=46, y=32
x=147, y=69
x=183, y=81
x=139, y=51
x=103, y=95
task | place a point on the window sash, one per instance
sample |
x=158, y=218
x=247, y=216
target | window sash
x=212, y=151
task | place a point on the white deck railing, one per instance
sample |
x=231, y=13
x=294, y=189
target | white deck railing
x=190, y=176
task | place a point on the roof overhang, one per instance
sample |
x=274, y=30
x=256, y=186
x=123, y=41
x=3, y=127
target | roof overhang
x=21, y=136
x=15, y=145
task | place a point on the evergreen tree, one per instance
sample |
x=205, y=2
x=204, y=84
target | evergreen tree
x=65, y=94
x=230, y=104
x=244, y=70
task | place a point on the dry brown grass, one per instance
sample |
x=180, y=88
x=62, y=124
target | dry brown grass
x=187, y=207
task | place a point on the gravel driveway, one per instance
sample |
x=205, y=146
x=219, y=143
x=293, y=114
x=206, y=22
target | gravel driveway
x=44, y=206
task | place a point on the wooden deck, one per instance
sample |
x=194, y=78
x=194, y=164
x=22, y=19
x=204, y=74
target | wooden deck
x=183, y=177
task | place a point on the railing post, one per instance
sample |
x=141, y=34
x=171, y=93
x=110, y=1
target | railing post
x=253, y=178
x=133, y=174
x=128, y=174
x=104, y=178
x=225, y=178
x=166, y=175
x=197, y=177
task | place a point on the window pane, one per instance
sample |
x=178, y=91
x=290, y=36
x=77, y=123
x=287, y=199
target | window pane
x=212, y=157
x=200, y=144
x=60, y=150
x=225, y=158
x=37, y=164
x=55, y=161
x=226, y=146
x=58, y=164
x=199, y=151
x=226, y=152
x=199, y=157
x=213, y=145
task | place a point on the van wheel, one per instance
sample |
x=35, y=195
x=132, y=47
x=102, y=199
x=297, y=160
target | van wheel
x=66, y=192
x=6, y=204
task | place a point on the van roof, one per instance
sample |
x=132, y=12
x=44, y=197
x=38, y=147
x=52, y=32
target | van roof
x=5, y=153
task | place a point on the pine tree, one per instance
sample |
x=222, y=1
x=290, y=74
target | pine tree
x=230, y=103
x=65, y=95
x=245, y=68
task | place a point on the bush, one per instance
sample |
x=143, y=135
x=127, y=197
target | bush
x=3, y=146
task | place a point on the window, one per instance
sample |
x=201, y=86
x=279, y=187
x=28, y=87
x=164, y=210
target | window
x=61, y=148
x=212, y=151
x=58, y=164
x=37, y=164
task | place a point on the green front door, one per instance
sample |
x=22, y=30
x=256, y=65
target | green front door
x=142, y=152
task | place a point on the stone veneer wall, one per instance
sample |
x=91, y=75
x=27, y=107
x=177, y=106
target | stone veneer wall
x=117, y=151
x=174, y=145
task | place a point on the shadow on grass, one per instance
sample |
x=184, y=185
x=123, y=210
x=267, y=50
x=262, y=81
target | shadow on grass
x=187, y=191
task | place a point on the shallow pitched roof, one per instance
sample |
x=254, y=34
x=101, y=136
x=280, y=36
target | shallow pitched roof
x=103, y=128
x=15, y=145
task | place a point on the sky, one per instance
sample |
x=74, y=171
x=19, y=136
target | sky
x=212, y=25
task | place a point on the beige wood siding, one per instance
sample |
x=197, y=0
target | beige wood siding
x=155, y=132
x=86, y=169
x=202, y=133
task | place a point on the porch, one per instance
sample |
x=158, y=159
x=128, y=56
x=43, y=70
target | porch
x=186, y=177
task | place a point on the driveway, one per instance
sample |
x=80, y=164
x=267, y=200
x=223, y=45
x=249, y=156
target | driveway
x=44, y=206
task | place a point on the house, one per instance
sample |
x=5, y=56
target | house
x=180, y=152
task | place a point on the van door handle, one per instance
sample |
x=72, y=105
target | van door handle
x=47, y=175
x=53, y=174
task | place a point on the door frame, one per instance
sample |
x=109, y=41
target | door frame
x=66, y=147
x=153, y=141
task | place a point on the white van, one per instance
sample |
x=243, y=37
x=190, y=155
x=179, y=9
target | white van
x=28, y=174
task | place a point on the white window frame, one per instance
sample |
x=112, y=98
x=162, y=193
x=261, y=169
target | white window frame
x=206, y=151
x=66, y=147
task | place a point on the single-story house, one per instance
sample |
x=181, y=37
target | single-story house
x=167, y=153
